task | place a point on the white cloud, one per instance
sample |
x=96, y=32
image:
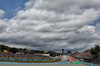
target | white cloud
x=87, y=29
x=53, y=24
x=1, y=13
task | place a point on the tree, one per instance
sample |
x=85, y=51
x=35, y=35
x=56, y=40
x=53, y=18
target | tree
x=95, y=51
x=14, y=50
x=69, y=52
x=62, y=51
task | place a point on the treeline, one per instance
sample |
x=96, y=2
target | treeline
x=9, y=49
x=95, y=51
x=14, y=50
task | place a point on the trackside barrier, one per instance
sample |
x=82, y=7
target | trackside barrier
x=35, y=59
x=44, y=59
x=12, y=59
x=18, y=59
x=24, y=59
x=5, y=59
x=33, y=63
x=90, y=64
x=30, y=60
x=0, y=58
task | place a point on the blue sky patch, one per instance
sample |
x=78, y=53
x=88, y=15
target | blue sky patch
x=11, y=6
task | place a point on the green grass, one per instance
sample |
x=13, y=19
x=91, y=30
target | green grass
x=77, y=62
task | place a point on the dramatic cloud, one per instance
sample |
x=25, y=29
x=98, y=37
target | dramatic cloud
x=53, y=24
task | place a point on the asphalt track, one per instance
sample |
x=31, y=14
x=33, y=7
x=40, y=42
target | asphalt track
x=61, y=63
x=64, y=58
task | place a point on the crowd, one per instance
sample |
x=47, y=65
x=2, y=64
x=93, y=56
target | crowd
x=22, y=56
x=83, y=55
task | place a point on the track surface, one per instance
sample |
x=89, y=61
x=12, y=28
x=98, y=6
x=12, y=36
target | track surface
x=64, y=58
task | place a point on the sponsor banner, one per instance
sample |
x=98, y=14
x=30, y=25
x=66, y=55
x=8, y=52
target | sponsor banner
x=35, y=59
x=12, y=59
x=39, y=59
x=18, y=59
x=5, y=59
x=0, y=58
x=24, y=59
x=44, y=59
x=30, y=59
x=51, y=59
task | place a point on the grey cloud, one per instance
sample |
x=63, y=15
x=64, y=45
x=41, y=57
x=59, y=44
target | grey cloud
x=53, y=24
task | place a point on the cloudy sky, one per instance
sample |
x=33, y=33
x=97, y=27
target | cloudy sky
x=50, y=24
